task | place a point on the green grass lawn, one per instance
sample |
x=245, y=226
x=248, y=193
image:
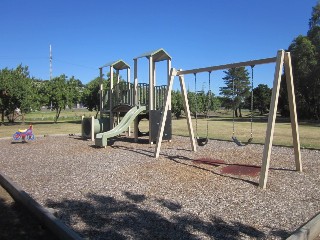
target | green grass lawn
x=220, y=127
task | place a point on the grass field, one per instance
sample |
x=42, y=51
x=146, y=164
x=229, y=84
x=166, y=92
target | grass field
x=220, y=127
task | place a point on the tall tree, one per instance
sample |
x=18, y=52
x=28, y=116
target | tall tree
x=237, y=88
x=306, y=70
x=62, y=93
x=74, y=91
x=41, y=97
x=314, y=21
x=17, y=91
x=261, y=98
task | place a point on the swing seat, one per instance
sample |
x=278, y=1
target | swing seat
x=239, y=143
x=250, y=140
x=202, y=141
x=236, y=141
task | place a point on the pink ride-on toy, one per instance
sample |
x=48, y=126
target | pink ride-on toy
x=25, y=134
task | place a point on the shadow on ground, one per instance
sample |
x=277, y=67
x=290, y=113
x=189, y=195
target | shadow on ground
x=105, y=217
x=17, y=223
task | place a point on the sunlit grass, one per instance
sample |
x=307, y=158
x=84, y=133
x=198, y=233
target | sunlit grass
x=222, y=129
x=43, y=128
x=220, y=126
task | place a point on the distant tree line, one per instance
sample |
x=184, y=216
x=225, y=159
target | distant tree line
x=19, y=91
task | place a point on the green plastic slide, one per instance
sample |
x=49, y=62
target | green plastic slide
x=102, y=138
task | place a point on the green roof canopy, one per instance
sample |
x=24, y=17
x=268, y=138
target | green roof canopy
x=157, y=55
x=118, y=65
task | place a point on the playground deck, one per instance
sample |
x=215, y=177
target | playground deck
x=123, y=192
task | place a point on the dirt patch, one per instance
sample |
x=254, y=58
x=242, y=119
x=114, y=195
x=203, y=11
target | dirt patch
x=241, y=170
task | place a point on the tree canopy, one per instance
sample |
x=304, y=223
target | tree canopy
x=61, y=92
x=17, y=91
x=237, y=88
x=305, y=52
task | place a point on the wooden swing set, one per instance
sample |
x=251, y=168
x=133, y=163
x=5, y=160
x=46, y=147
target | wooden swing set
x=283, y=59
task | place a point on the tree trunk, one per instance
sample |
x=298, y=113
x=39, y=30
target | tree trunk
x=240, y=113
x=236, y=112
x=23, y=120
x=58, y=111
x=2, y=116
x=10, y=117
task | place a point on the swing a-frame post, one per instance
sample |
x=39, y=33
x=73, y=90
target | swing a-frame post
x=283, y=59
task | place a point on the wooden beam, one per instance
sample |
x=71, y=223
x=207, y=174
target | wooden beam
x=293, y=111
x=228, y=66
x=187, y=112
x=41, y=213
x=129, y=95
x=151, y=94
x=101, y=93
x=168, y=76
x=92, y=129
x=111, y=92
x=271, y=120
x=164, y=114
x=135, y=97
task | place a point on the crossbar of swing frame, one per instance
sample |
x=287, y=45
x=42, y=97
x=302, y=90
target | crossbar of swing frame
x=227, y=66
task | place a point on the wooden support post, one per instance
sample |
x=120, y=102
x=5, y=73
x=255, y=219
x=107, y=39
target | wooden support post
x=135, y=98
x=282, y=59
x=110, y=97
x=118, y=95
x=187, y=112
x=82, y=130
x=57, y=227
x=151, y=94
x=128, y=95
x=101, y=93
x=151, y=83
x=92, y=128
x=271, y=120
x=165, y=112
x=293, y=111
x=168, y=78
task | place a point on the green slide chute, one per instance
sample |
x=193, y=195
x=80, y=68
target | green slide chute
x=102, y=138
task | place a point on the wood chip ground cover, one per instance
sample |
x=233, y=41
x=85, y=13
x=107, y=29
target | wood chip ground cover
x=122, y=192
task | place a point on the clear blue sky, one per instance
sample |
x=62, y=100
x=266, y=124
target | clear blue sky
x=87, y=34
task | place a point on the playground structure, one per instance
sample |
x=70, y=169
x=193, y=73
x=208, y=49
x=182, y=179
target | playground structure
x=283, y=59
x=135, y=101
x=140, y=100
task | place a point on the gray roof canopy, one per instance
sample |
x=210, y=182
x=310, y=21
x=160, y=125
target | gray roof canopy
x=117, y=65
x=157, y=55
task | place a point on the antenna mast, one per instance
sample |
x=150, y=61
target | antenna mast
x=50, y=63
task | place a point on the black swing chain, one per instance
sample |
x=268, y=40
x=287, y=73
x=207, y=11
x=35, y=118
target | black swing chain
x=233, y=107
x=209, y=102
x=196, y=100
